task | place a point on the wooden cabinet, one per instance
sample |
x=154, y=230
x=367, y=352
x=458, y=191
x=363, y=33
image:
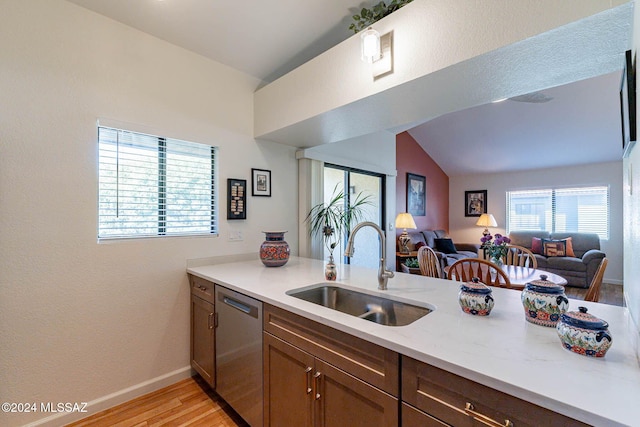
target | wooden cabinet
x=317, y=376
x=203, y=329
x=452, y=400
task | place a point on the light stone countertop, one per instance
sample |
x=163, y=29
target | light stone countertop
x=502, y=350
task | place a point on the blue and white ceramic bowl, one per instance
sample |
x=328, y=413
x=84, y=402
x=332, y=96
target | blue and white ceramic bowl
x=475, y=298
x=544, y=302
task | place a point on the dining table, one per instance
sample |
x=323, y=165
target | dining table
x=520, y=276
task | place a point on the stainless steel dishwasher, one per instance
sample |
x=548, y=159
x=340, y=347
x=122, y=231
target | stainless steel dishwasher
x=239, y=353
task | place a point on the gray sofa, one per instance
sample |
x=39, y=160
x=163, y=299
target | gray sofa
x=578, y=271
x=428, y=237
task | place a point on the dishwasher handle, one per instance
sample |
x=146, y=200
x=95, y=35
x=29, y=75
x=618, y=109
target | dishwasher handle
x=249, y=309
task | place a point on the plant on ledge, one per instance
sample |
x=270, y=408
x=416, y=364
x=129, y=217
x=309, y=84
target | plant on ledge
x=376, y=13
x=331, y=219
x=496, y=249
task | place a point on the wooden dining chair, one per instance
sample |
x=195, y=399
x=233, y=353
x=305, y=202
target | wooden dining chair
x=521, y=257
x=464, y=270
x=429, y=262
x=593, y=293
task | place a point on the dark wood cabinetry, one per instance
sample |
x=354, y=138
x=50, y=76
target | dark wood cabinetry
x=453, y=400
x=303, y=388
x=203, y=329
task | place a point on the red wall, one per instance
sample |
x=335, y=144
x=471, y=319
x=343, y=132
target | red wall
x=410, y=157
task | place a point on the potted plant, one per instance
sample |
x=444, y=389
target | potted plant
x=410, y=265
x=331, y=219
x=367, y=17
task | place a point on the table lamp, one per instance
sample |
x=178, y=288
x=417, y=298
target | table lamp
x=486, y=221
x=405, y=220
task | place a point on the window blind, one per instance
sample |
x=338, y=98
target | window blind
x=581, y=209
x=154, y=186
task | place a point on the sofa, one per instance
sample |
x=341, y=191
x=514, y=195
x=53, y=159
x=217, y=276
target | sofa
x=579, y=269
x=447, y=251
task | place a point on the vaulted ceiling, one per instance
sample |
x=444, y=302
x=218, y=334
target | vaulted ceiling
x=578, y=124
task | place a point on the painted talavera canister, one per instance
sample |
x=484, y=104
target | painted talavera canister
x=544, y=302
x=584, y=333
x=475, y=298
x=274, y=251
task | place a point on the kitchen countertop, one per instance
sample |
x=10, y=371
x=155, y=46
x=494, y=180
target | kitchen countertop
x=502, y=350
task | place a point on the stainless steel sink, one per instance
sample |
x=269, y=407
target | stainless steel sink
x=376, y=309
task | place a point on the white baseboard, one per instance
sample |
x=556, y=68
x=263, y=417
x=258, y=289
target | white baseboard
x=113, y=399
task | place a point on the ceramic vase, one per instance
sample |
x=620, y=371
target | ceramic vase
x=330, y=270
x=274, y=251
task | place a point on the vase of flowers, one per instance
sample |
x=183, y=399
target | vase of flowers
x=495, y=247
x=331, y=219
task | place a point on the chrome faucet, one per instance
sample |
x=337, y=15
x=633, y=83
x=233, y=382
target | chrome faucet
x=383, y=273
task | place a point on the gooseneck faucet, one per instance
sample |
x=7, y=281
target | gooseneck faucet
x=383, y=273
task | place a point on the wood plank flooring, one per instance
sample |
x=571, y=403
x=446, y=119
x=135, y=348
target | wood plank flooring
x=609, y=293
x=187, y=403
x=192, y=403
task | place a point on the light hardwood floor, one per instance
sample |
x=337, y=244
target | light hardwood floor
x=187, y=403
x=192, y=403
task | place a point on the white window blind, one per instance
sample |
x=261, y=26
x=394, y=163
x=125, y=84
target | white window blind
x=582, y=209
x=154, y=186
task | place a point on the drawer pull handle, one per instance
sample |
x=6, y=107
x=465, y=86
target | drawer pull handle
x=316, y=378
x=471, y=410
x=308, y=374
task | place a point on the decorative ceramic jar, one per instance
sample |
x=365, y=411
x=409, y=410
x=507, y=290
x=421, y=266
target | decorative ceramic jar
x=274, y=251
x=544, y=302
x=475, y=298
x=584, y=333
x=330, y=270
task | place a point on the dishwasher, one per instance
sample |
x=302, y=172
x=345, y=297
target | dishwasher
x=239, y=353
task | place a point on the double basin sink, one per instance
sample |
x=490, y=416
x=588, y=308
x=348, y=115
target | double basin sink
x=384, y=311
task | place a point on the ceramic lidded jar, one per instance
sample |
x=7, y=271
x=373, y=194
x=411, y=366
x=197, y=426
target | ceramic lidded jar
x=475, y=298
x=544, y=302
x=274, y=251
x=584, y=333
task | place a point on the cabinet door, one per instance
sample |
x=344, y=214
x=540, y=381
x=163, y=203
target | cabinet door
x=288, y=393
x=342, y=400
x=203, y=339
x=412, y=417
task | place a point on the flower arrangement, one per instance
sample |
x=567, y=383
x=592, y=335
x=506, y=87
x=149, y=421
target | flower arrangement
x=495, y=246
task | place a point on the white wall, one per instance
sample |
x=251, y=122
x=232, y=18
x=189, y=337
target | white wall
x=81, y=320
x=463, y=229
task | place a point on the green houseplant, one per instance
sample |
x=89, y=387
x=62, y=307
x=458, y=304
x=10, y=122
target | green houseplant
x=331, y=219
x=410, y=265
x=366, y=17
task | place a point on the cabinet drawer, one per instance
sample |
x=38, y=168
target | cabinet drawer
x=201, y=288
x=369, y=362
x=412, y=417
x=461, y=402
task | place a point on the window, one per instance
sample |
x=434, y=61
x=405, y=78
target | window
x=583, y=209
x=153, y=186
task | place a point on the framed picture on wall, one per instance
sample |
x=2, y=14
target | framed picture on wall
x=475, y=202
x=416, y=194
x=236, y=198
x=261, y=182
x=628, y=104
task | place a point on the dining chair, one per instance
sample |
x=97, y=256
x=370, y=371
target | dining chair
x=593, y=293
x=521, y=257
x=429, y=262
x=464, y=270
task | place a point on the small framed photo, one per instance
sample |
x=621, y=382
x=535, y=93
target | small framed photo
x=236, y=198
x=416, y=194
x=475, y=202
x=260, y=182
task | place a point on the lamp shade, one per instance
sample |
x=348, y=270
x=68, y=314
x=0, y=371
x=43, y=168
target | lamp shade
x=370, y=45
x=486, y=220
x=405, y=220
